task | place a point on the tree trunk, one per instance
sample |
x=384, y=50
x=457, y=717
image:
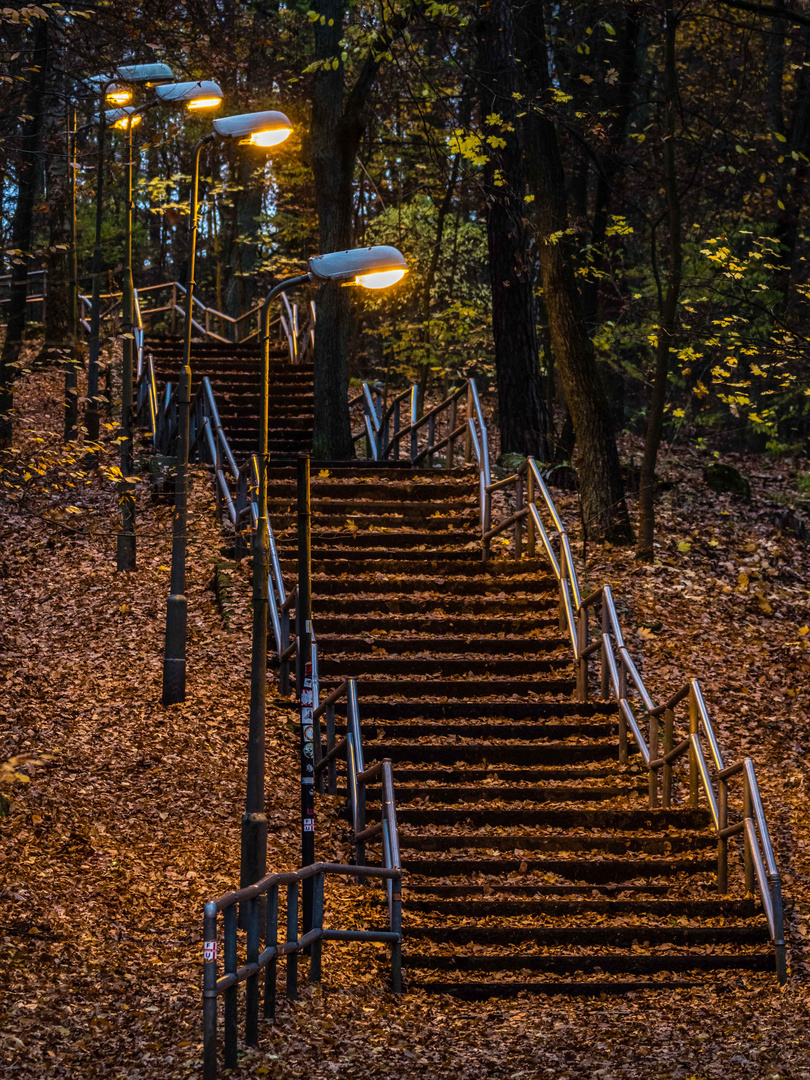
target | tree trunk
x=600, y=479
x=521, y=408
x=335, y=142
x=57, y=342
x=669, y=310
x=29, y=147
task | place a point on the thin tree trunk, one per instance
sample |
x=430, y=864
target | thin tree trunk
x=600, y=479
x=521, y=409
x=669, y=310
x=29, y=147
x=57, y=341
x=336, y=132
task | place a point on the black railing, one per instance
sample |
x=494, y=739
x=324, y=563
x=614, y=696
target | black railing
x=261, y=921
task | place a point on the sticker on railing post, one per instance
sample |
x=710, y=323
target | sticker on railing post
x=209, y=952
x=309, y=824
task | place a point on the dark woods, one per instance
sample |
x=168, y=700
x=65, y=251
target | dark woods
x=601, y=205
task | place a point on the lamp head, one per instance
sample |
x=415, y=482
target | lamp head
x=372, y=267
x=118, y=94
x=262, y=129
x=151, y=74
x=121, y=119
x=196, y=96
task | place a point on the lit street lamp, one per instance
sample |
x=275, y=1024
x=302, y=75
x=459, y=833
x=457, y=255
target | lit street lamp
x=262, y=130
x=195, y=96
x=373, y=268
x=114, y=89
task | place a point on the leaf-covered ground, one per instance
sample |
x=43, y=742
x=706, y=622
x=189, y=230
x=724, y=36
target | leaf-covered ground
x=128, y=819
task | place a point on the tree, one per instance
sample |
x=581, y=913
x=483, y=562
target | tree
x=521, y=409
x=601, y=486
x=28, y=147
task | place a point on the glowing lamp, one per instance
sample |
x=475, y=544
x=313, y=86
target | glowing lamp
x=262, y=129
x=203, y=94
x=372, y=267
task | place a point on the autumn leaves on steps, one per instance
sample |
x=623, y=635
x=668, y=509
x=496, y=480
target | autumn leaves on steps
x=234, y=373
x=532, y=862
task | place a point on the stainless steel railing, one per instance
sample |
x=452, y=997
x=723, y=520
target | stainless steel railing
x=619, y=676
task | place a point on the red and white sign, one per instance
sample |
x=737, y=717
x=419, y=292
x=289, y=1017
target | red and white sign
x=209, y=952
x=309, y=824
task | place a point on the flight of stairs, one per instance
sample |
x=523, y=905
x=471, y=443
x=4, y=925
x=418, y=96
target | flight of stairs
x=235, y=373
x=531, y=859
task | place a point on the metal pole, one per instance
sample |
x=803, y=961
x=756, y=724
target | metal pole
x=253, y=860
x=305, y=652
x=254, y=821
x=72, y=366
x=174, y=654
x=91, y=415
x=125, y=555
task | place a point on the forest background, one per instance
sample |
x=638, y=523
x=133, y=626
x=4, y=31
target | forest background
x=588, y=195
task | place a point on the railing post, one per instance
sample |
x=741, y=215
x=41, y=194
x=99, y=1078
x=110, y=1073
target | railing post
x=693, y=764
x=210, y=992
x=519, y=521
x=252, y=981
x=284, y=666
x=331, y=768
x=395, y=436
x=292, y=938
x=271, y=941
x=208, y=321
x=173, y=316
x=604, y=687
x=431, y=440
x=582, y=661
x=317, y=924
x=414, y=411
x=396, y=946
x=561, y=613
x=653, y=775
x=231, y=1033
x=467, y=435
x=722, y=841
x=622, y=717
x=748, y=812
x=669, y=726
x=530, y=538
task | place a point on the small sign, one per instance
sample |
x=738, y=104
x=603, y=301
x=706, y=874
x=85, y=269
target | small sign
x=306, y=716
x=308, y=671
x=210, y=952
x=309, y=824
x=308, y=733
x=306, y=697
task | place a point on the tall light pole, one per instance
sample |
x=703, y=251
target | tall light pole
x=263, y=130
x=195, y=96
x=374, y=268
x=115, y=90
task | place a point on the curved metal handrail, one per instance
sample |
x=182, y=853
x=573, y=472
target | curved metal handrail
x=620, y=674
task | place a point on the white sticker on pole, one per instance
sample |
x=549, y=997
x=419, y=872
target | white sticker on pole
x=309, y=824
x=209, y=952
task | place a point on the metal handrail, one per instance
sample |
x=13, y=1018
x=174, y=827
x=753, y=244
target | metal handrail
x=259, y=903
x=358, y=776
x=378, y=422
x=620, y=675
x=207, y=315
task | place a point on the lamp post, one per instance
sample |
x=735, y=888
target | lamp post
x=263, y=130
x=374, y=268
x=114, y=89
x=195, y=96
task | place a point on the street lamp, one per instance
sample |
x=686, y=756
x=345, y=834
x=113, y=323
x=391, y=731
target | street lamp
x=194, y=95
x=373, y=268
x=115, y=89
x=262, y=130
